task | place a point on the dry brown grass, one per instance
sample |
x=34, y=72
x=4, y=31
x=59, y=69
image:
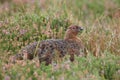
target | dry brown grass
x=23, y=21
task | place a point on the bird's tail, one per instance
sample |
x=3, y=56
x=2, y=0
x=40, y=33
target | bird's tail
x=28, y=52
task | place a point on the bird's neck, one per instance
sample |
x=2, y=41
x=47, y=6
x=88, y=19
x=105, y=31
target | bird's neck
x=73, y=37
x=70, y=36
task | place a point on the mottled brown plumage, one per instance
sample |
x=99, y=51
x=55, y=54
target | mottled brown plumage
x=46, y=49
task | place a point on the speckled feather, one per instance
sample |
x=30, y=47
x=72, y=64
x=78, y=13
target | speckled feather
x=46, y=49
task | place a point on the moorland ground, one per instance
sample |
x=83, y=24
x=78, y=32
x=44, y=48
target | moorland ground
x=25, y=21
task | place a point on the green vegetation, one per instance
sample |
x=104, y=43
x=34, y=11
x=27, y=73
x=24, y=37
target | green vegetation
x=25, y=21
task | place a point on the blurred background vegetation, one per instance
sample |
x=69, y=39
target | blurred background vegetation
x=25, y=21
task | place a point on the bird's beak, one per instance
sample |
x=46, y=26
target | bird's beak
x=81, y=29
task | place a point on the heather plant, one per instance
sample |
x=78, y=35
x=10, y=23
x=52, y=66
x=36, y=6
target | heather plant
x=25, y=21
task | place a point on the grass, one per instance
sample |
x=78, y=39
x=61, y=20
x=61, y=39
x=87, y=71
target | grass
x=23, y=22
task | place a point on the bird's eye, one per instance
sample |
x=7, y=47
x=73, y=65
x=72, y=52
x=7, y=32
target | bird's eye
x=74, y=28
